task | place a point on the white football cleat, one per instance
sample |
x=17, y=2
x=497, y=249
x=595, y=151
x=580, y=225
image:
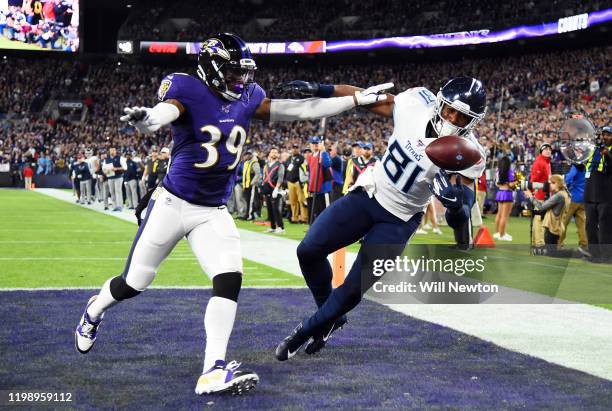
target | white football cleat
x=437, y=231
x=497, y=236
x=87, y=330
x=223, y=378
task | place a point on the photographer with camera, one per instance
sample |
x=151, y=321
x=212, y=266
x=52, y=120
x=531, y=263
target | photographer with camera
x=598, y=199
x=553, y=211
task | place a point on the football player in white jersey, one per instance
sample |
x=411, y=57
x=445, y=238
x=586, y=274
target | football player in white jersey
x=386, y=204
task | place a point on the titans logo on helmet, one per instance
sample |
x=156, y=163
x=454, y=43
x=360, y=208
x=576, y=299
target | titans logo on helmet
x=214, y=47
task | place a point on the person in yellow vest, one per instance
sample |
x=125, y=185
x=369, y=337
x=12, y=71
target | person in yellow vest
x=251, y=173
x=598, y=199
x=304, y=176
x=353, y=165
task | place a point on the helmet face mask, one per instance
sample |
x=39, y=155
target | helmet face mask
x=225, y=64
x=466, y=97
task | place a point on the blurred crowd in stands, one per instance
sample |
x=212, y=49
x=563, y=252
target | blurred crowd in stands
x=272, y=20
x=529, y=96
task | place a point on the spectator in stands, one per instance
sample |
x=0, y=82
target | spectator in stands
x=319, y=178
x=45, y=165
x=504, y=197
x=598, y=199
x=574, y=180
x=273, y=176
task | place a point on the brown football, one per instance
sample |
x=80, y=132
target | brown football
x=453, y=153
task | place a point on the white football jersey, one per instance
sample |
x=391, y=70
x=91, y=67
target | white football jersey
x=400, y=180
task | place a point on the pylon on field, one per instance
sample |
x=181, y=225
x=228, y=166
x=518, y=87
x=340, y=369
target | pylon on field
x=483, y=238
x=338, y=267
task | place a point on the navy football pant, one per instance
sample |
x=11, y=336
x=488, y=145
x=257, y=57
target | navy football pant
x=352, y=217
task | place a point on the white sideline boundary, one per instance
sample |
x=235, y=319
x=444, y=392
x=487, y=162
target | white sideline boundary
x=576, y=336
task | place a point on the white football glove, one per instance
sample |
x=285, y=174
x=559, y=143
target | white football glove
x=139, y=118
x=372, y=94
x=275, y=192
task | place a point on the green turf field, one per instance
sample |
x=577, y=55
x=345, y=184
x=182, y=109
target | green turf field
x=46, y=242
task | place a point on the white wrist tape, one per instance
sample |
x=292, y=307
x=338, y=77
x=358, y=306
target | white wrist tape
x=160, y=115
x=310, y=108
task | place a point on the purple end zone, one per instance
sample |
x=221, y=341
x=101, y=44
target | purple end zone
x=149, y=354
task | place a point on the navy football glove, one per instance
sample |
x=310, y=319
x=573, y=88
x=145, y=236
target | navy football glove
x=306, y=88
x=449, y=194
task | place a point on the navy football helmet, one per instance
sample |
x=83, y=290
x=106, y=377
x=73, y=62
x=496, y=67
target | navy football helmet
x=466, y=95
x=226, y=65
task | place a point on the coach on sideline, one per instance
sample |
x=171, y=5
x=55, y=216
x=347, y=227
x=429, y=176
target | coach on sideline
x=115, y=180
x=131, y=181
x=598, y=199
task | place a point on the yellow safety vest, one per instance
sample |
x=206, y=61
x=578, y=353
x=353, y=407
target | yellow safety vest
x=246, y=173
x=601, y=161
x=348, y=175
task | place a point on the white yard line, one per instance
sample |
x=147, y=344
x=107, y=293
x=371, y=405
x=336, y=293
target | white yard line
x=572, y=335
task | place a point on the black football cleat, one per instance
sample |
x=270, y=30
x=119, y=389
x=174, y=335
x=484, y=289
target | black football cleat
x=291, y=344
x=317, y=342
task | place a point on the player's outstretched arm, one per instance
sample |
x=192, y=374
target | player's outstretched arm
x=149, y=120
x=383, y=106
x=319, y=106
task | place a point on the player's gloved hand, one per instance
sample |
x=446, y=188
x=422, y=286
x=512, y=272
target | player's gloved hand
x=139, y=118
x=449, y=194
x=303, y=88
x=275, y=192
x=372, y=94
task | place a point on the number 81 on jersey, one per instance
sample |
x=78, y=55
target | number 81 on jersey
x=396, y=163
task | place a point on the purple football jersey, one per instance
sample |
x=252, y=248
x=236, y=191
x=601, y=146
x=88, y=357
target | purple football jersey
x=208, y=139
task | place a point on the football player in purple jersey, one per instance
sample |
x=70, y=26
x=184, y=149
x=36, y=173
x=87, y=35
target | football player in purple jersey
x=209, y=114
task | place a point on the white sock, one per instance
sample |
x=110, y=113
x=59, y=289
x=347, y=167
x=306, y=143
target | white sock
x=104, y=301
x=218, y=323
